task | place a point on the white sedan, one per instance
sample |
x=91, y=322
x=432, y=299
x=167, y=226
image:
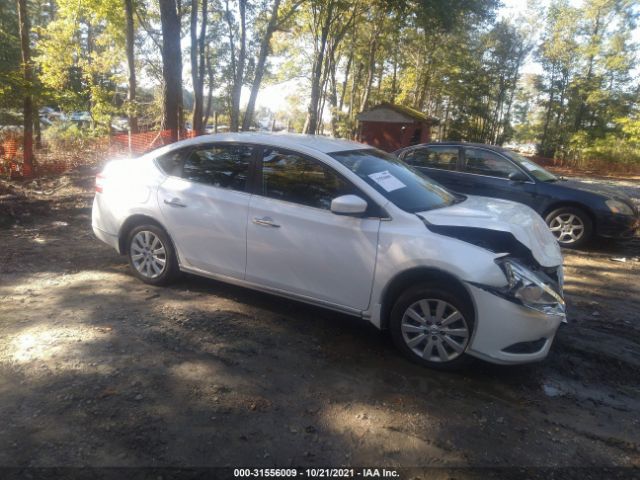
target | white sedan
x=347, y=227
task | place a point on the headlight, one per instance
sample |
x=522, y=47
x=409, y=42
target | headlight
x=530, y=290
x=618, y=207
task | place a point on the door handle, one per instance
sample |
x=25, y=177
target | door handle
x=174, y=202
x=265, y=222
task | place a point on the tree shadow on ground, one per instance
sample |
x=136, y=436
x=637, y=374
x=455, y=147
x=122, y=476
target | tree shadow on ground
x=117, y=373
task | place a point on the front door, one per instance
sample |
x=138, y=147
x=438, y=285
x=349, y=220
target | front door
x=205, y=206
x=488, y=174
x=297, y=245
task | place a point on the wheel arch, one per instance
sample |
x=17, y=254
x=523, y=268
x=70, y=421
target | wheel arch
x=408, y=278
x=132, y=222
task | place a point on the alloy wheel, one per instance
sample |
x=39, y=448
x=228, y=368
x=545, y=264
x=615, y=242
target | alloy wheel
x=435, y=330
x=567, y=228
x=148, y=254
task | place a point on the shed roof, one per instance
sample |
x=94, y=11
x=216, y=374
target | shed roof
x=392, y=113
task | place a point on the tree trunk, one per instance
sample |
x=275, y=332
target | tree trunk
x=37, y=132
x=202, y=52
x=352, y=93
x=370, y=74
x=333, y=95
x=311, y=124
x=545, y=132
x=238, y=78
x=346, y=79
x=196, y=79
x=584, y=95
x=323, y=88
x=207, y=112
x=514, y=85
x=27, y=68
x=131, y=94
x=171, y=67
x=394, y=80
x=262, y=60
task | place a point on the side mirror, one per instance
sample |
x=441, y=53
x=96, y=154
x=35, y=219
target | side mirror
x=348, y=205
x=518, y=177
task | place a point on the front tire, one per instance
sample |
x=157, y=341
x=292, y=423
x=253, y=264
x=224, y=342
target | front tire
x=432, y=326
x=151, y=255
x=571, y=226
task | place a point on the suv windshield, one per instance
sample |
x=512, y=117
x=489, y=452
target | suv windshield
x=533, y=168
x=407, y=188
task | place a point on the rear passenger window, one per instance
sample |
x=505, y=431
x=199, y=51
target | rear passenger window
x=171, y=163
x=223, y=166
x=443, y=158
x=294, y=178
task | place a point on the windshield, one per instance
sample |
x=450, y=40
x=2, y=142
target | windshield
x=405, y=187
x=533, y=168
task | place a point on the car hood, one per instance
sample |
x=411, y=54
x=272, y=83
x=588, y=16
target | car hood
x=599, y=189
x=502, y=215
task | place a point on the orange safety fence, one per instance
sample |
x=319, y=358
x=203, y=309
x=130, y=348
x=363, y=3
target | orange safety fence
x=140, y=143
x=95, y=151
x=9, y=156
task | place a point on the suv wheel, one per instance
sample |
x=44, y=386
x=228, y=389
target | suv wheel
x=571, y=226
x=432, y=326
x=151, y=255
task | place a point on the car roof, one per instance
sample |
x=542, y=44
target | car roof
x=495, y=148
x=284, y=140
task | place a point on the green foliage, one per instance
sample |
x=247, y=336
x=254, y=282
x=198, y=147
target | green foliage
x=579, y=107
x=68, y=137
x=450, y=60
x=82, y=52
x=11, y=83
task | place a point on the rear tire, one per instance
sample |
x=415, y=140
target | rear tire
x=571, y=226
x=432, y=326
x=151, y=255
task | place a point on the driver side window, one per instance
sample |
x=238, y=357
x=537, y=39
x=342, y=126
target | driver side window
x=484, y=162
x=293, y=178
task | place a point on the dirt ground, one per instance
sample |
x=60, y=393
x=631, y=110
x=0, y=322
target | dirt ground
x=98, y=369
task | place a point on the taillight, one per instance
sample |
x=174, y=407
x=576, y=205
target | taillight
x=100, y=180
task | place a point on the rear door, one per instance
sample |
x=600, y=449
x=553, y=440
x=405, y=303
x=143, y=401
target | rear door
x=439, y=163
x=205, y=203
x=297, y=245
x=488, y=175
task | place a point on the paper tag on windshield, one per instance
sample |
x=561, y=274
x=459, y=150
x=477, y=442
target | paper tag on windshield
x=387, y=181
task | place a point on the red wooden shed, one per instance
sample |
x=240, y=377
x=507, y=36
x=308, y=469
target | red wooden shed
x=390, y=127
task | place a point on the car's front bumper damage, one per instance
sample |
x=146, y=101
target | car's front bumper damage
x=509, y=333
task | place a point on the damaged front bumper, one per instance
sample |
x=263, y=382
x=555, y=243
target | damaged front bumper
x=510, y=333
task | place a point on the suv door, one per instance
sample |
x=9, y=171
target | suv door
x=296, y=244
x=439, y=163
x=488, y=173
x=205, y=203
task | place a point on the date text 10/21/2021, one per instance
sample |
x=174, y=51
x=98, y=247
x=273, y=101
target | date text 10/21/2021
x=316, y=472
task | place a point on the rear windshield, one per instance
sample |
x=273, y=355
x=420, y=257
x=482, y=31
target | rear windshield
x=401, y=184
